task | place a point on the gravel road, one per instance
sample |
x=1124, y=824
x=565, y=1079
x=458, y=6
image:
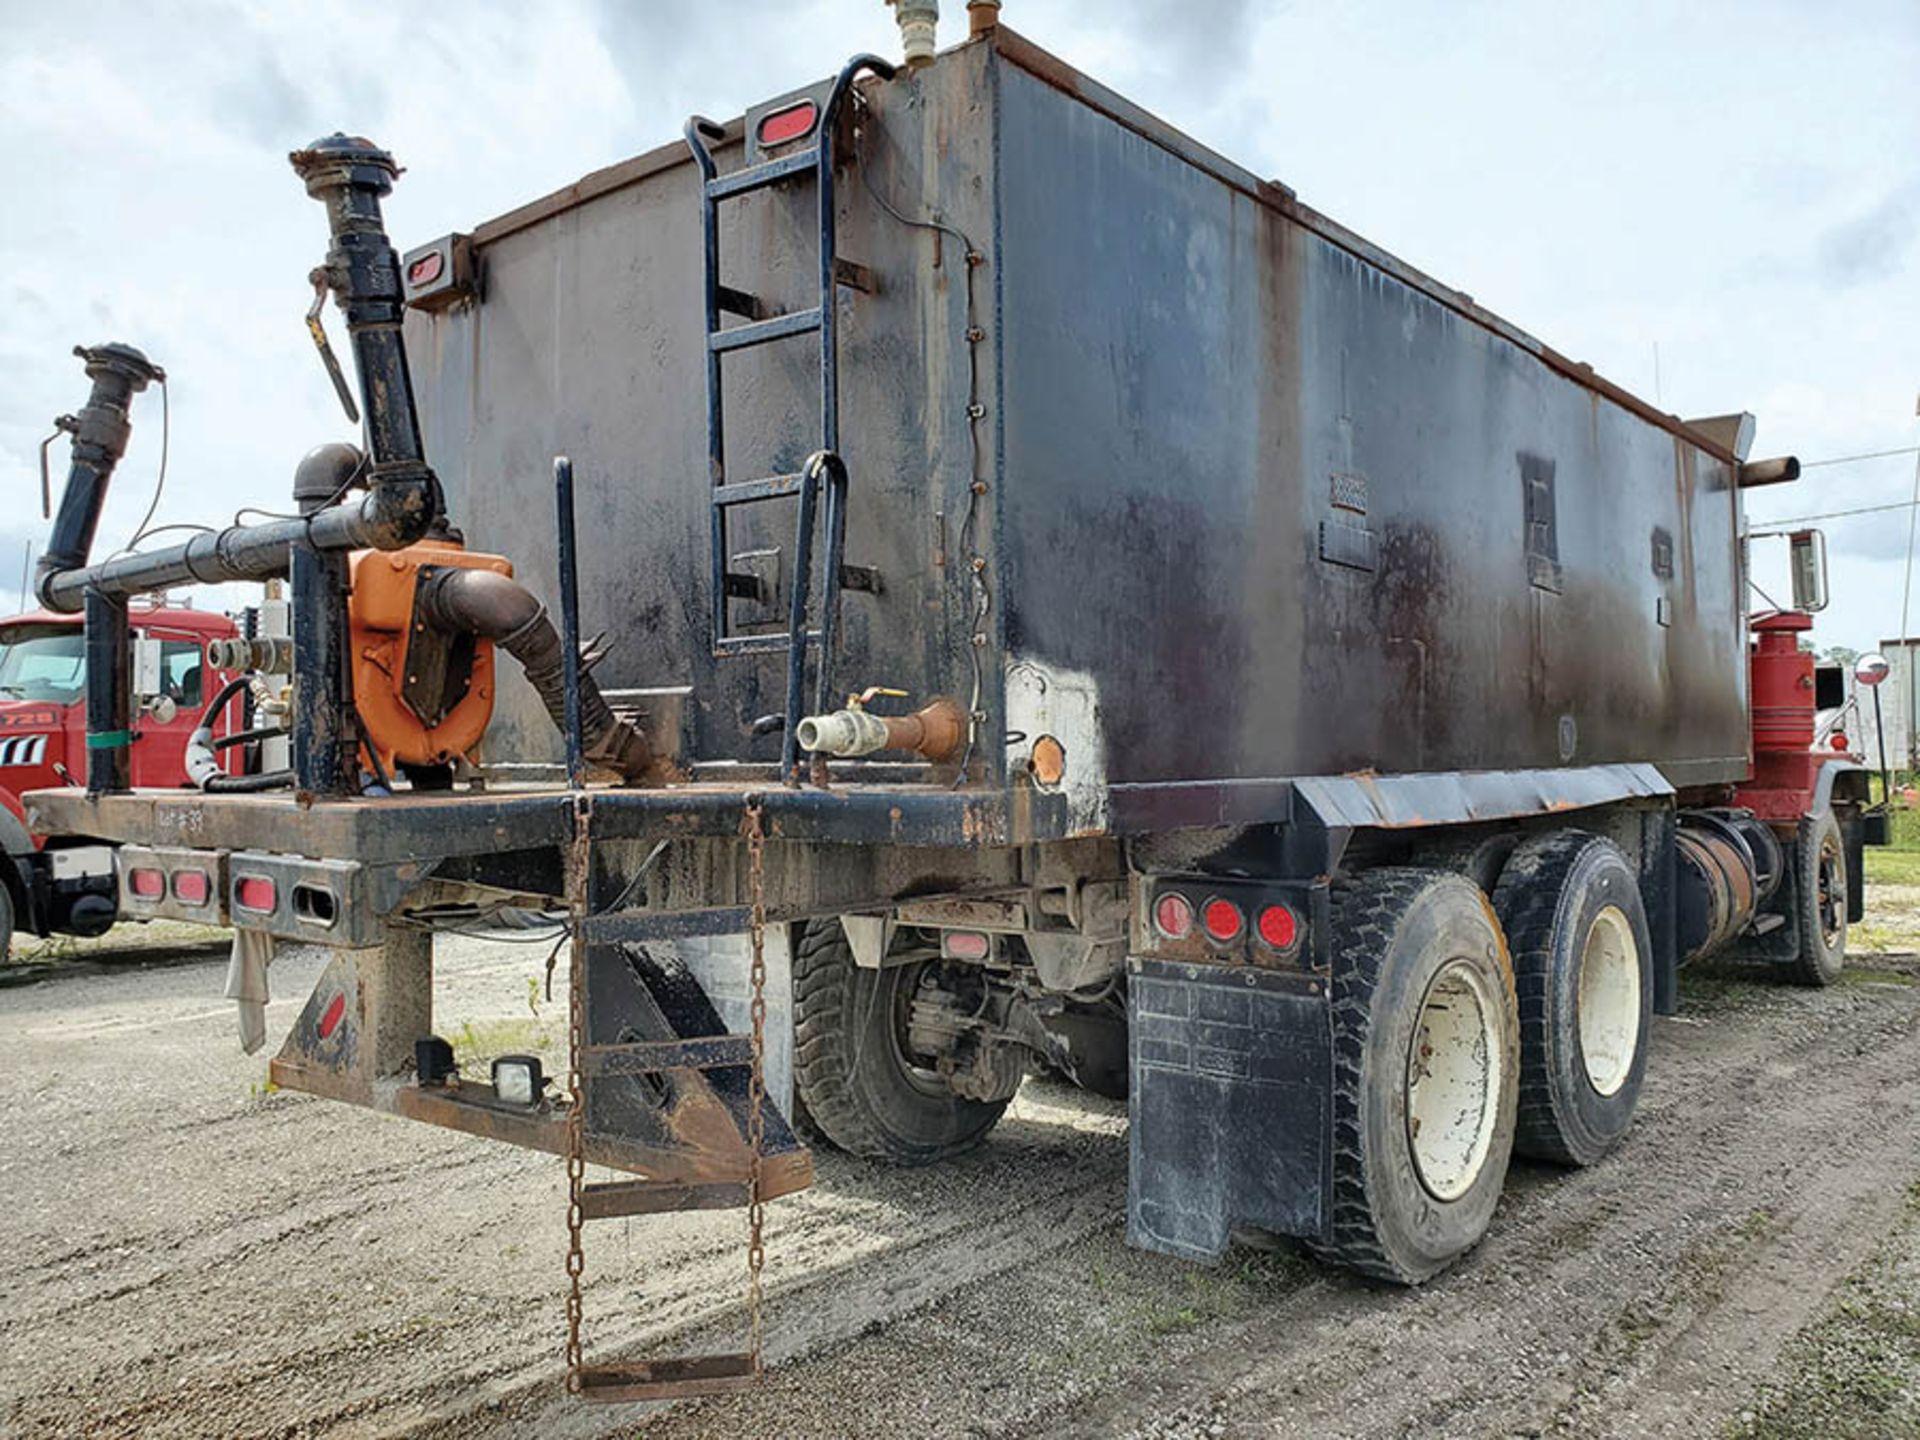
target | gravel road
x=184, y=1254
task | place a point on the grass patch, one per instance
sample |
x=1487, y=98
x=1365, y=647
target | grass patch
x=477, y=1044
x=1867, y=975
x=1888, y=865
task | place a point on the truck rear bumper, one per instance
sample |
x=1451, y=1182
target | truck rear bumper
x=408, y=827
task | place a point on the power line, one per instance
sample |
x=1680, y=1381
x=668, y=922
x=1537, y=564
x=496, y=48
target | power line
x=1850, y=459
x=1835, y=515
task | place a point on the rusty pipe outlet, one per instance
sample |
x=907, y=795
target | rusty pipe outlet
x=917, y=19
x=934, y=732
x=982, y=16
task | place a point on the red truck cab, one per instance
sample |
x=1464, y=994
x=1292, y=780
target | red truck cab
x=68, y=887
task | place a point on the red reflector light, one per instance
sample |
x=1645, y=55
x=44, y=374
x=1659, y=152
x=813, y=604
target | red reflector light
x=1279, y=927
x=256, y=892
x=147, y=884
x=967, y=945
x=1223, y=920
x=1173, y=916
x=426, y=269
x=192, y=887
x=330, y=1018
x=788, y=124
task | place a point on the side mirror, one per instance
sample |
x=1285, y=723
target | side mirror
x=146, y=667
x=1871, y=668
x=1809, y=560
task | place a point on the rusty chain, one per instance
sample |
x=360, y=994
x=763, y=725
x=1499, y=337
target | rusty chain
x=577, y=873
x=754, y=832
x=751, y=824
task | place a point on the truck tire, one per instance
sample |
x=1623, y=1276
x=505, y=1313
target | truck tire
x=1425, y=1038
x=1820, y=900
x=6, y=920
x=1583, y=965
x=851, y=1074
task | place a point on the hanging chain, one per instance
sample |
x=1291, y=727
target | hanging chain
x=577, y=872
x=751, y=825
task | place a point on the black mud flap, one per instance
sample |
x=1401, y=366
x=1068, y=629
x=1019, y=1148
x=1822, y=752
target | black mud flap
x=1230, y=1107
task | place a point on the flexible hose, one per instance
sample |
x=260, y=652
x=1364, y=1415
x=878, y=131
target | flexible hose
x=203, y=764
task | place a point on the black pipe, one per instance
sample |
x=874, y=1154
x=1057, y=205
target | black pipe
x=378, y=521
x=109, y=694
x=403, y=501
x=571, y=717
x=349, y=175
x=326, y=739
x=488, y=604
x=100, y=432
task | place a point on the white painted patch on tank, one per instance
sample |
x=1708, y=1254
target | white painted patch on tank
x=1046, y=700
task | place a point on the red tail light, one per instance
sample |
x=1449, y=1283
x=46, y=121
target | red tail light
x=191, y=887
x=1173, y=916
x=788, y=124
x=1223, y=920
x=426, y=269
x=1279, y=927
x=966, y=945
x=256, y=893
x=147, y=884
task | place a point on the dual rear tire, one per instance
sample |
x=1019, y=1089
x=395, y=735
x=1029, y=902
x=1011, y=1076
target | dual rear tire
x=1467, y=1028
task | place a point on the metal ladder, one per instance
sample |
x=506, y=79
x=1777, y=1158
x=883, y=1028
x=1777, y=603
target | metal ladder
x=824, y=471
x=651, y=1067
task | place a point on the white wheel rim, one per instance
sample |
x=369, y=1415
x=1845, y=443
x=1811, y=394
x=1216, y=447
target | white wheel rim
x=1453, y=1081
x=1609, y=1000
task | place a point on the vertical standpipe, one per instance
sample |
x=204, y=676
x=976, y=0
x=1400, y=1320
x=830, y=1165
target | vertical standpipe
x=100, y=432
x=349, y=176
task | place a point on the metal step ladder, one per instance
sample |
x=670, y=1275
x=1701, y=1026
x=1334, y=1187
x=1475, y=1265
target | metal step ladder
x=651, y=1059
x=824, y=476
x=652, y=1067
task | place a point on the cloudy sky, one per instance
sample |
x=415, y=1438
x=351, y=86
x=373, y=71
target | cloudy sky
x=1733, y=188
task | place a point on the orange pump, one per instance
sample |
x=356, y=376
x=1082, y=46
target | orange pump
x=423, y=696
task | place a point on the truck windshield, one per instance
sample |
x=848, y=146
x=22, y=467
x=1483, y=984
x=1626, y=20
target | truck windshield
x=43, y=663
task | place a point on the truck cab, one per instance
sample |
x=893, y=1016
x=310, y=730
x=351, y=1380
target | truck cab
x=66, y=886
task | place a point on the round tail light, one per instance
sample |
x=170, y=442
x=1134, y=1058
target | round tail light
x=1279, y=927
x=1223, y=920
x=1173, y=916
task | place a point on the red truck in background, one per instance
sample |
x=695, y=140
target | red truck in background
x=67, y=886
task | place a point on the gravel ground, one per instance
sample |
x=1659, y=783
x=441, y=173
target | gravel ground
x=183, y=1253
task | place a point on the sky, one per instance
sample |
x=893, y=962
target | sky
x=1717, y=205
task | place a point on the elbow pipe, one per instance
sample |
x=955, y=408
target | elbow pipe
x=100, y=433
x=490, y=605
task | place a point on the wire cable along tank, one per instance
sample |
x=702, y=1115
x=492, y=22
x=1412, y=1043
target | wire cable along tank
x=1028, y=592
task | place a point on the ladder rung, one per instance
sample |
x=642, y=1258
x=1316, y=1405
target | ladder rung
x=743, y=492
x=646, y=1057
x=768, y=172
x=652, y=1197
x=797, y=322
x=668, y=1379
